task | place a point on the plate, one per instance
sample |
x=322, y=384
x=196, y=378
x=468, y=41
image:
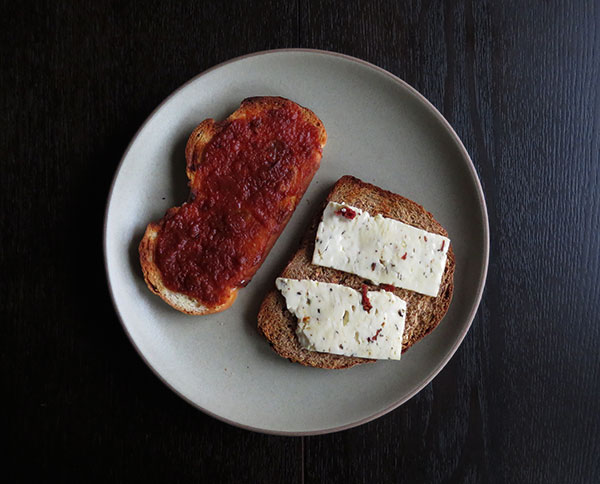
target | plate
x=379, y=129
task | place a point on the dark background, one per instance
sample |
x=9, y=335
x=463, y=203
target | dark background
x=518, y=80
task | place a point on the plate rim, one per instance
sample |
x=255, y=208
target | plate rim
x=482, y=276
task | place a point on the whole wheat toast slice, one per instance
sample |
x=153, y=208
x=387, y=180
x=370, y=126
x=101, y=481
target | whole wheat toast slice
x=424, y=313
x=203, y=134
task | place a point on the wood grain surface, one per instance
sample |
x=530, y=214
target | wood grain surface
x=518, y=80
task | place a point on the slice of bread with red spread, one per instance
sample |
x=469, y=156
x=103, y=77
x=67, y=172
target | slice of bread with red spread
x=424, y=313
x=247, y=174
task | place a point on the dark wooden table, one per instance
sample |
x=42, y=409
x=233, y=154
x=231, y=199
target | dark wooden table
x=518, y=80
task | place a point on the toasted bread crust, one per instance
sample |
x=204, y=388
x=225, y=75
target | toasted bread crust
x=424, y=313
x=195, y=147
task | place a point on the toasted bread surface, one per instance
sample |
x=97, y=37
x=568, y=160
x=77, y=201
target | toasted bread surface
x=424, y=313
x=200, y=182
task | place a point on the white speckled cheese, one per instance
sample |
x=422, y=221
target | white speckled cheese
x=383, y=250
x=331, y=319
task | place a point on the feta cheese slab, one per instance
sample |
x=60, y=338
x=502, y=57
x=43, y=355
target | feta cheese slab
x=381, y=249
x=332, y=319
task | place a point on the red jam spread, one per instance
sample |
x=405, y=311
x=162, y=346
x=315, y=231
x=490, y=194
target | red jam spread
x=251, y=177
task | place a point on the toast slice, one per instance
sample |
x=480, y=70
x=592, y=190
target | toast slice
x=424, y=313
x=204, y=184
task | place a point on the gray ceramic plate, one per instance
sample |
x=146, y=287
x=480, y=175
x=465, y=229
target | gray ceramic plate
x=380, y=130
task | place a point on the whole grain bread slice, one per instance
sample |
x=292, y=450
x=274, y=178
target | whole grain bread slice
x=424, y=313
x=197, y=143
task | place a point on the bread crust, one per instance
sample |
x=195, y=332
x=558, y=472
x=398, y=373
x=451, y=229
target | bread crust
x=424, y=313
x=194, y=150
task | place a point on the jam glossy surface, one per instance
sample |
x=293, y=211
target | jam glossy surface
x=251, y=177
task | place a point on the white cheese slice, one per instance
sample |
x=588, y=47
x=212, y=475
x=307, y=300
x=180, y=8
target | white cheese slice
x=331, y=319
x=383, y=250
